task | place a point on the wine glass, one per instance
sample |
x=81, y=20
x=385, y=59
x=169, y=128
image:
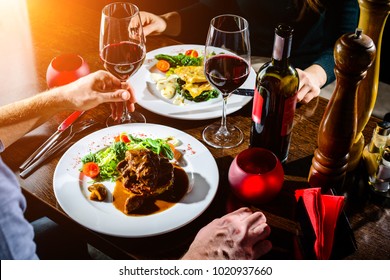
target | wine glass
x=227, y=66
x=256, y=175
x=122, y=48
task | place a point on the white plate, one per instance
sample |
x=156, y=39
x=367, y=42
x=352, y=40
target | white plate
x=70, y=186
x=149, y=97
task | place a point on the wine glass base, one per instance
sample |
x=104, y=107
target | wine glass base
x=134, y=117
x=217, y=137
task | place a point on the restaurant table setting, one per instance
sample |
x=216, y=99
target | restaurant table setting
x=347, y=222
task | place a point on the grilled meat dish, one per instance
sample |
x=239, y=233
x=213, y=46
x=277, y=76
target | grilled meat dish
x=144, y=174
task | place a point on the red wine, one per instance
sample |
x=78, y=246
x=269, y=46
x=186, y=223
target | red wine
x=123, y=59
x=275, y=98
x=226, y=72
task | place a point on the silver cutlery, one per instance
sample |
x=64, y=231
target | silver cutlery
x=52, y=139
x=73, y=130
x=244, y=91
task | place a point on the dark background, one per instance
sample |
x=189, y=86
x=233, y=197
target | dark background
x=159, y=7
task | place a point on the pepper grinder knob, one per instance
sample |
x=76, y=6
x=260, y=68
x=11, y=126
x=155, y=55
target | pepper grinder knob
x=354, y=53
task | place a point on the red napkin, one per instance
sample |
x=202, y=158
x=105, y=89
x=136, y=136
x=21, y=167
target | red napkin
x=324, y=211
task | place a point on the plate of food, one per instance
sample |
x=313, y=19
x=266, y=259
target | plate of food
x=136, y=180
x=171, y=83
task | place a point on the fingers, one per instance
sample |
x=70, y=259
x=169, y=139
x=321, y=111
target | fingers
x=105, y=81
x=256, y=227
x=261, y=231
x=258, y=232
x=254, y=223
x=148, y=30
x=309, y=96
x=118, y=100
x=152, y=24
x=130, y=89
x=309, y=84
x=238, y=235
x=256, y=217
x=242, y=213
x=302, y=92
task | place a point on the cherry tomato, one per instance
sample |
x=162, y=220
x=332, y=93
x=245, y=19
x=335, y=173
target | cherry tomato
x=192, y=53
x=91, y=169
x=122, y=137
x=125, y=138
x=163, y=65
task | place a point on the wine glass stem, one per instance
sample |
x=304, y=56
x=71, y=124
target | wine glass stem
x=223, y=129
x=125, y=113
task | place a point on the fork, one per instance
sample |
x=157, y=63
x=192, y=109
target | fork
x=74, y=129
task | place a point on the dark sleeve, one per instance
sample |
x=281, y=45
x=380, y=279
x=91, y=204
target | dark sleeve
x=196, y=19
x=340, y=18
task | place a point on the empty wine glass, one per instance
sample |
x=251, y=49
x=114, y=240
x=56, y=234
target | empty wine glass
x=122, y=48
x=227, y=66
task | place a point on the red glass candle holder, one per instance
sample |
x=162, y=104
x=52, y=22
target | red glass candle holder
x=256, y=176
x=65, y=69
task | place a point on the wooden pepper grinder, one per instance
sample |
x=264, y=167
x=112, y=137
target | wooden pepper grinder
x=372, y=20
x=354, y=54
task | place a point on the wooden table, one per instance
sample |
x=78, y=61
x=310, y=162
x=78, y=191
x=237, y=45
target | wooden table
x=47, y=28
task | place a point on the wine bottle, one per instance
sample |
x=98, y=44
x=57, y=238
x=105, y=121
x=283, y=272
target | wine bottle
x=275, y=98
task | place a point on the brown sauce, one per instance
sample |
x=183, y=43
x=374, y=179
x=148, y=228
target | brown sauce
x=159, y=203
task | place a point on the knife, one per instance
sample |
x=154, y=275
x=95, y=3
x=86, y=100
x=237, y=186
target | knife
x=63, y=144
x=49, y=143
x=244, y=91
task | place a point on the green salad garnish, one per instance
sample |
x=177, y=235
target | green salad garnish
x=108, y=158
x=180, y=60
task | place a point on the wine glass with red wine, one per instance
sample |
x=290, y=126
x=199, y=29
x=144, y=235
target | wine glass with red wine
x=227, y=66
x=122, y=48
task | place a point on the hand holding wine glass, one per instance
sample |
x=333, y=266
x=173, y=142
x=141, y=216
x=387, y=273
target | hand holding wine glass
x=227, y=66
x=122, y=48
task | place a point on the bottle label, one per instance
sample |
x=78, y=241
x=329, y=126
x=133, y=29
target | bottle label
x=258, y=103
x=288, y=115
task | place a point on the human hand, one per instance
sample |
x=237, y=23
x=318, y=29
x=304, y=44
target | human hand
x=310, y=82
x=167, y=24
x=97, y=88
x=239, y=235
x=152, y=24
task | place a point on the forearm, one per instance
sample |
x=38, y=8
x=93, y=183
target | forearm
x=19, y=118
x=341, y=19
x=86, y=93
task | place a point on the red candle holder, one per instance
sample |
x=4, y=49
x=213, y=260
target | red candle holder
x=256, y=176
x=65, y=69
